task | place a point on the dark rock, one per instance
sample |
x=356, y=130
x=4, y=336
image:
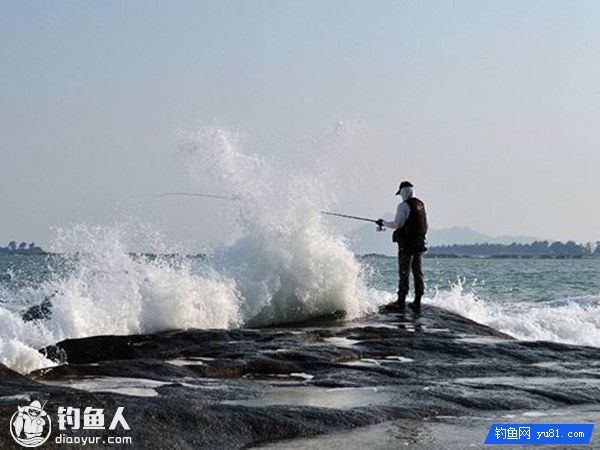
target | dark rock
x=238, y=388
x=39, y=312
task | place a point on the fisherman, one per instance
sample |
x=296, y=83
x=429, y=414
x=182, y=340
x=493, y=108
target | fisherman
x=410, y=227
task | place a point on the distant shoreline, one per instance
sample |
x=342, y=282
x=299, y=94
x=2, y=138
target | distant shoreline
x=452, y=256
x=441, y=256
x=24, y=253
x=141, y=254
x=366, y=255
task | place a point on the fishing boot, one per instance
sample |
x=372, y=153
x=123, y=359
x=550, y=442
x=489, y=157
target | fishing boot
x=416, y=304
x=397, y=306
x=400, y=303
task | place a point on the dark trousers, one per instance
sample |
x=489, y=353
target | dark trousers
x=406, y=263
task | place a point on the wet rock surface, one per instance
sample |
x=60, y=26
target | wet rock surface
x=249, y=387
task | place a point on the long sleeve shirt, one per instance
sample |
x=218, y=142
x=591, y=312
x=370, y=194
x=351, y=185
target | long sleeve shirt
x=402, y=212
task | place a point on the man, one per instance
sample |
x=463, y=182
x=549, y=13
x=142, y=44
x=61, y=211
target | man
x=410, y=227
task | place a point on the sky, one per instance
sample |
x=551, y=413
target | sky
x=491, y=108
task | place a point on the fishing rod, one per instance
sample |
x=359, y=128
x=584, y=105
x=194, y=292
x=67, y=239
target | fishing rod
x=346, y=216
x=225, y=197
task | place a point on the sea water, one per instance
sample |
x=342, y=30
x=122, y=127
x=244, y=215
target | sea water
x=553, y=300
x=531, y=299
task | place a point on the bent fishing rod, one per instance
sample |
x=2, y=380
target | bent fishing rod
x=226, y=197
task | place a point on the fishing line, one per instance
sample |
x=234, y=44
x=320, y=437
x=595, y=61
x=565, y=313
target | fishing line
x=225, y=197
x=191, y=194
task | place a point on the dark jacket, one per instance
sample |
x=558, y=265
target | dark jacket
x=411, y=237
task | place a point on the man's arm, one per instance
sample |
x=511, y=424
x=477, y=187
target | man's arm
x=402, y=213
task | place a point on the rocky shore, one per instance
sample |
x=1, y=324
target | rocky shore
x=390, y=375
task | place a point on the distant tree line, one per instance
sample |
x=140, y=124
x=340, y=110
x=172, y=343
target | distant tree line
x=541, y=249
x=21, y=249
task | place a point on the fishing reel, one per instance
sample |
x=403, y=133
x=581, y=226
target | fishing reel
x=379, y=223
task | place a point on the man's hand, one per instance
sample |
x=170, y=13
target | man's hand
x=379, y=223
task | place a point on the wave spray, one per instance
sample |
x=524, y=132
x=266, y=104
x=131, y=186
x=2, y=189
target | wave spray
x=286, y=265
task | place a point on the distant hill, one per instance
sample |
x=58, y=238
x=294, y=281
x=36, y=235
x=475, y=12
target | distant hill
x=365, y=239
x=464, y=235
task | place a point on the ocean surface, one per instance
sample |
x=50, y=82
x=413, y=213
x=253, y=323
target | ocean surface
x=172, y=337
x=536, y=299
x=551, y=300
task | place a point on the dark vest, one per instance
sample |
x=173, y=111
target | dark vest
x=411, y=236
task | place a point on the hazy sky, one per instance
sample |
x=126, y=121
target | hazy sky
x=490, y=107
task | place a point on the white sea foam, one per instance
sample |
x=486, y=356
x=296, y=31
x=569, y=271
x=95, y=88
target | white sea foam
x=571, y=321
x=286, y=266
x=110, y=292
